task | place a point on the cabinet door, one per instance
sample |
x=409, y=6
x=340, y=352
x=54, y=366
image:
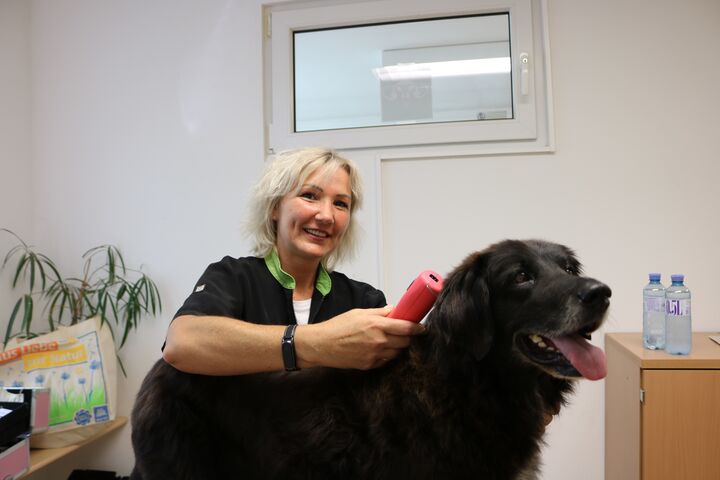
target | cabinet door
x=681, y=424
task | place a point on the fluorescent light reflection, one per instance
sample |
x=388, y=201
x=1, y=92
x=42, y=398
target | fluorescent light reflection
x=452, y=68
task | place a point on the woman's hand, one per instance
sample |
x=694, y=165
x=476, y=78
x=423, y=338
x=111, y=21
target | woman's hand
x=360, y=338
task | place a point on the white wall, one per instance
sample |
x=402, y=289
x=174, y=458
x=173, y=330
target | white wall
x=16, y=199
x=147, y=132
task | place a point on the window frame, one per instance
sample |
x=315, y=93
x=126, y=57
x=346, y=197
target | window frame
x=531, y=129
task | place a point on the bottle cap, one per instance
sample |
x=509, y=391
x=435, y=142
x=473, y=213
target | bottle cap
x=654, y=277
x=677, y=277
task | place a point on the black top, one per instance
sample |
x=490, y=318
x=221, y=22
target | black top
x=245, y=289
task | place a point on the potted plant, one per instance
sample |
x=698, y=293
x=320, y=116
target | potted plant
x=106, y=288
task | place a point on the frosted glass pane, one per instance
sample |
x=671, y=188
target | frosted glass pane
x=438, y=70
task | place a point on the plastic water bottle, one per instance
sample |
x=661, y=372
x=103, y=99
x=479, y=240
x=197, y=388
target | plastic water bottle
x=678, y=335
x=654, y=314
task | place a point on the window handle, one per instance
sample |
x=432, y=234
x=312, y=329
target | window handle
x=524, y=73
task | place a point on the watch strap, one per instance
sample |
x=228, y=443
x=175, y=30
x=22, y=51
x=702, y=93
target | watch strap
x=288, y=349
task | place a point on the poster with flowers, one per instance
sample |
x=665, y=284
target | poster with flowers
x=76, y=363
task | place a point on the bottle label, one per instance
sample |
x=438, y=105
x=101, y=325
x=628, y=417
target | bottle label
x=654, y=304
x=678, y=307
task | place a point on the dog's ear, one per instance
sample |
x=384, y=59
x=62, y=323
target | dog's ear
x=461, y=318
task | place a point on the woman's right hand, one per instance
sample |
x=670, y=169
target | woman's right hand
x=359, y=338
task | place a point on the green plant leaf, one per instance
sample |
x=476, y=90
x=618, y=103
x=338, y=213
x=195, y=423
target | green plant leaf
x=14, y=235
x=112, y=331
x=54, y=294
x=122, y=367
x=154, y=293
x=88, y=256
x=27, y=314
x=51, y=265
x=121, y=291
x=157, y=298
x=63, y=305
x=113, y=305
x=128, y=327
x=149, y=295
x=132, y=311
x=51, y=322
x=111, y=263
x=120, y=259
x=108, y=307
x=63, y=292
x=11, y=253
x=103, y=290
x=93, y=251
x=41, y=270
x=148, y=300
x=21, y=264
x=33, y=261
x=8, y=332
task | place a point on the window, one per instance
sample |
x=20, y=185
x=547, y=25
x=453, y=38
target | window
x=459, y=72
x=390, y=73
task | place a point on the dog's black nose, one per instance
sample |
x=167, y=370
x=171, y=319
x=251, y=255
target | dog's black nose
x=596, y=294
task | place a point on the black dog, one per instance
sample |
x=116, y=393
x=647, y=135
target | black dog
x=467, y=400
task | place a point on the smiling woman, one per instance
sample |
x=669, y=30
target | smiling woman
x=310, y=177
x=310, y=224
x=285, y=176
x=302, y=223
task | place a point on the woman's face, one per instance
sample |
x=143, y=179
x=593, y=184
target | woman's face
x=311, y=223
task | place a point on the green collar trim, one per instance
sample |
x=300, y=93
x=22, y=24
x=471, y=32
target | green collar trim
x=272, y=261
x=323, y=282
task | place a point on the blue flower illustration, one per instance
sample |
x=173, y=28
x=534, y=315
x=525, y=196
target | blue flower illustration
x=82, y=381
x=64, y=376
x=94, y=365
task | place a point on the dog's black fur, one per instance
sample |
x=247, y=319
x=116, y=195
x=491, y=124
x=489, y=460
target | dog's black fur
x=467, y=400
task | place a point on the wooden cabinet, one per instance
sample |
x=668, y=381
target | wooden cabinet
x=662, y=412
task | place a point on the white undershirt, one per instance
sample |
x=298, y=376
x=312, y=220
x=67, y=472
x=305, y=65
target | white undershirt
x=302, y=311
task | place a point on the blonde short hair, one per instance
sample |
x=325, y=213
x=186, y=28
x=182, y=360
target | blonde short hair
x=285, y=173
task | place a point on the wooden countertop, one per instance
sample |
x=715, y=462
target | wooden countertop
x=705, y=353
x=42, y=457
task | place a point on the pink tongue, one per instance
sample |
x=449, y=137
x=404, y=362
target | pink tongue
x=586, y=358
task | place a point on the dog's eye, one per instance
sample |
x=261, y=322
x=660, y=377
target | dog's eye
x=522, y=277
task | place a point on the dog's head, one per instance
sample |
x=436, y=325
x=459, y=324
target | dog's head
x=525, y=301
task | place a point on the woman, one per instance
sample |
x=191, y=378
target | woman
x=244, y=313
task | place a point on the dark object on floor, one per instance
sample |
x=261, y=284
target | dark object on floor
x=94, y=475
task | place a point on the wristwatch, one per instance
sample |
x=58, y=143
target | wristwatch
x=288, y=349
